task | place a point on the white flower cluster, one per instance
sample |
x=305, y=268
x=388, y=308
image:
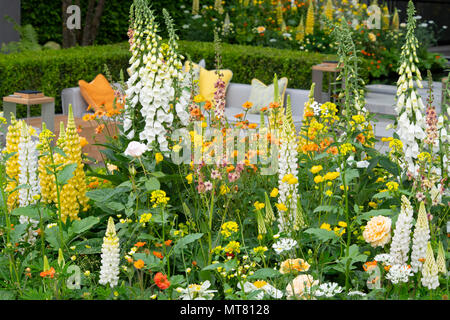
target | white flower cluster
x=156, y=83
x=420, y=239
x=285, y=244
x=328, y=290
x=399, y=273
x=287, y=167
x=402, y=234
x=28, y=176
x=109, y=271
x=410, y=108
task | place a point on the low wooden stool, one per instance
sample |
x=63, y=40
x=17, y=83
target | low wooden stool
x=317, y=78
x=47, y=111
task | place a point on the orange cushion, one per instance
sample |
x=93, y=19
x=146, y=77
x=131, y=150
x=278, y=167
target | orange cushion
x=99, y=94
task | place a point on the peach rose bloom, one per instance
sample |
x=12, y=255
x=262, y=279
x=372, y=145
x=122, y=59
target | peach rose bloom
x=298, y=285
x=378, y=231
x=291, y=265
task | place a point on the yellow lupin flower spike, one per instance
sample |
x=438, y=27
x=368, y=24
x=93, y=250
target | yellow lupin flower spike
x=73, y=193
x=12, y=164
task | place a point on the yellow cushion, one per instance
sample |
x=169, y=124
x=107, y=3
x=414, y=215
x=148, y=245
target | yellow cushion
x=99, y=94
x=208, y=79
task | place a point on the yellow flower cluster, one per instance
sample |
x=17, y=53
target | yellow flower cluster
x=260, y=250
x=73, y=194
x=290, y=179
x=233, y=247
x=228, y=228
x=339, y=230
x=392, y=186
x=12, y=164
x=346, y=148
x=145, y=218
x=158, y=197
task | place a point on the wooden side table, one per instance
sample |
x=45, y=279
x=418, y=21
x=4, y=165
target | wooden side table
x=317, y=78
x=47, y=110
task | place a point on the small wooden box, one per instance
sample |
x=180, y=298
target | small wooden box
x=29, y=94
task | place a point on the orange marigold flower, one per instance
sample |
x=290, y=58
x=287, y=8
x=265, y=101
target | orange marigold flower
x=239, y=116
x=252, y=125
x=161, y=281
x=140, y=244
x=263, y=109
x=196, y=112
x=139, y=264
x=168, y=242
x=158, y=254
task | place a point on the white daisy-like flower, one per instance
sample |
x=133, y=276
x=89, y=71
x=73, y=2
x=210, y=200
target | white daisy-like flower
x=196, y=291
x=263, y=287
x=285, y=244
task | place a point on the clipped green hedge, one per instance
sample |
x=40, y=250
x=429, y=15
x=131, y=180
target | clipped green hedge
x=53, y=70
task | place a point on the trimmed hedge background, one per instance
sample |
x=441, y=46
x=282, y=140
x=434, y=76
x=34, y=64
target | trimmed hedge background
x=53, y=70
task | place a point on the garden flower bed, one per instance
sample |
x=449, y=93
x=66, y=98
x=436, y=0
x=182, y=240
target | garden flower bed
x=186, y=206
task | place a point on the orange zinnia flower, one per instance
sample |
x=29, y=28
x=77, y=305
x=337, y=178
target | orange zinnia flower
x=247, y=105
x=253, y=126
x=50, y=273
x=139, y=264
x=239, y=116
x=158, y=254
x=207, y=105
x=168, y=242
x=161, y=281
x=360, y=137
x=140, y=244
x=333, y=150
x=274, y=105
x=100, y=128
x=263, y=109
